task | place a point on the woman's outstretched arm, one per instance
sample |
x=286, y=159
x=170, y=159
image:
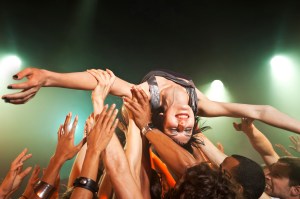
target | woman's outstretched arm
x=264, y=113
x=37, y=78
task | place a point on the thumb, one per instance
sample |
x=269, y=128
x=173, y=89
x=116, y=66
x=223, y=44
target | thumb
x=237, y=126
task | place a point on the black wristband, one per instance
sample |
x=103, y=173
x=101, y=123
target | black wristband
x=86, y=183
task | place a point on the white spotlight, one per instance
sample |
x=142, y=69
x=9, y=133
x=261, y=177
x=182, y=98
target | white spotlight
x=282, y=67
x=216, y=91
x=217, y=85
x=9, y=66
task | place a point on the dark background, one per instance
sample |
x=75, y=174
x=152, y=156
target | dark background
x=228, y=40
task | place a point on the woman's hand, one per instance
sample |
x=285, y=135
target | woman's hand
x=36, y=78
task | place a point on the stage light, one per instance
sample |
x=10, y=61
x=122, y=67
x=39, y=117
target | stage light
x=282, y=67
x=217, y=85
x=9, y=65
x=216, y=91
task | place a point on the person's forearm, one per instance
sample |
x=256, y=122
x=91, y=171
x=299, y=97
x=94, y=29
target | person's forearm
x=264, y=113
x=89, y=170
x=84, y=81
x=52, y=170
x=77, y=165
x=272, y=116
x=118, y=169
x=177, y=158
x=90, y=164
x=262, y=145
x=133, y=150
x=76, y=80
x=211, y=151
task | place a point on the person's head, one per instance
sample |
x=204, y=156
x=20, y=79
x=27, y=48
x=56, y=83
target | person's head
x=247, y=173
x=178, y=123
x=283, y=181
x=203, y=182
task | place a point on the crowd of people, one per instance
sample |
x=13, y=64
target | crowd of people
x=165, y=155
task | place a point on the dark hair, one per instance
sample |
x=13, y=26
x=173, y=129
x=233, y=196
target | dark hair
x=203, y=182
x=250, y=175
x=294, y=169
x=155, y=185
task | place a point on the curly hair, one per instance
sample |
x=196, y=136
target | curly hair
x=203, y=182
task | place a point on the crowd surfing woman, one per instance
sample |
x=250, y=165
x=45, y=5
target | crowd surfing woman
x=174, y=99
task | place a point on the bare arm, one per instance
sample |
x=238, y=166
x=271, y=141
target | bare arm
x=258, y=140
x=15, y=175
x=210, y=150
x=97, y=141
x=117, y=168
x=37, y=78
x=65, y=150
x=264, y=113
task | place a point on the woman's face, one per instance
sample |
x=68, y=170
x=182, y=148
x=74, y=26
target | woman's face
x=178, y=123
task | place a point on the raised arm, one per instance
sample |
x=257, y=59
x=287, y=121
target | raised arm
x=264, y=113
x=37, y=78
x=258, y=140
x=15, y=175
x=97, y=141
x=65, y=150
x=118, y=169
x=210, y=150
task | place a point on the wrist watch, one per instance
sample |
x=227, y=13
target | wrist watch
x=147, y=128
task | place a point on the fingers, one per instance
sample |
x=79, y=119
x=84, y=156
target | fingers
x=74, y=125
x=20, y=97
x=293, y=140
x=238, y=127
x=20, y=156
x=24, y=73
x=140, y=94
x=35, y=173
x=25, y=172
x=112, y=112
x=111, y=74
x=292, y=147
x=67, y=122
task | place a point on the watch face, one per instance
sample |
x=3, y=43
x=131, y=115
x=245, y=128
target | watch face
x=83, y=181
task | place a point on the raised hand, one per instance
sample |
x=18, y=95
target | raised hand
x=100, y=135
x=34, y=178
x=36, y=78
x=16, y=174
x=283, y=149
x=246, y=125
x=65, y=148
x=296, y=142
x=105, y=80
x=139, y=106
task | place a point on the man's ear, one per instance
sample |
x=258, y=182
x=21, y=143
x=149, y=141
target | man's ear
x=295, y=190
